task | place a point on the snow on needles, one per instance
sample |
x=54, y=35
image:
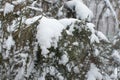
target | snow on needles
x=9, y=42
x=48, y=33
x=93, y=73
x=32, y=20
x=8, y=8
x=82, y=11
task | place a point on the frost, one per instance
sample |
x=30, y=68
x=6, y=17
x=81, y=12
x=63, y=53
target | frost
x=82, y=11
x=94, y=38
x=32, y=20
x=93, y=73
x=9, y=42
x=48, y=33
x=101, y=36
x=8, y=8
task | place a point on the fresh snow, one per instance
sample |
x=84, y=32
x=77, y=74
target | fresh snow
x=91, y=27
x=94, y=38
x=8, y=8
x=101, y=36
x=48, y=33
x=93, y=73
x=64, y=59
x=82, y=11
x=18, y=2
x=116, y=56
x=9, y=42
x=32, y=20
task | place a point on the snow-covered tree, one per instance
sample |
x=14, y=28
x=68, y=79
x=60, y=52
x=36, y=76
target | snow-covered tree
x=55, y=40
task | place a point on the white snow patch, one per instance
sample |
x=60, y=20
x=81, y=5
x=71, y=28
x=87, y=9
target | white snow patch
x=96, y=53
x=8, y=8
x=93, y=73
x=9, y=42
x=18, y=2
x=101, y=36
x=48, y=33
x=68, y=21
x=64, y=59
x=82, y=11
x=114, y=76
x=75, y=43
x=91, y=27
x=32, y=20
x=60, y=13
x=94, y=38
x=116, y=55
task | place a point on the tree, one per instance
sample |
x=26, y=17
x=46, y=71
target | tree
x=54, y=40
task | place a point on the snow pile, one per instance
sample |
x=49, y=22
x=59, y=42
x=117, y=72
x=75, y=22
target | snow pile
x=114, y=76
x=116, y=55
x=48, y=33
x=81, y=10
x=91, y=26
x=8, y=8
x=94, y=38
x=64, y=59
x=93, y=73
x=96, y=52
x=68, y=21
x=101, y=36
x=32, y=20
x=9, y=42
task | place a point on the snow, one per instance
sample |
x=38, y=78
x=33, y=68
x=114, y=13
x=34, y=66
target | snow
x=82, y=11
x=101, y=36
x=91, y=27
x=34, y=8
x=18, y=2
x=12, y=27
x=114, y=76
x=8, y=8
x=64, y=59
x=60, y=13
x=1, y=10
x=116, y=56
x=94, y=38
x=9, y=42
x=93, y=73
x=48, y=33
x=32, y=20
x=68, y=21
x=75, y=43
x=96, y=53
